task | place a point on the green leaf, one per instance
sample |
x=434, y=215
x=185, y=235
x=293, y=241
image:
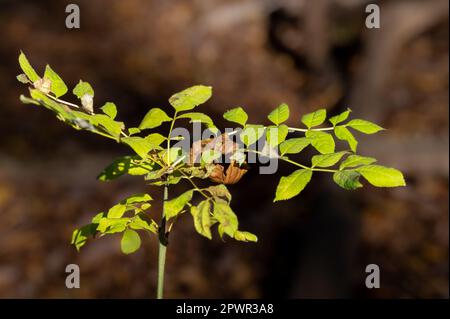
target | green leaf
x=112, y=225
x=251, y=134
x=172, y=155
x=112, y=127
x=245, y=236
x=137, y=198
x=226, y=217
x=347, y=179
x=154, y=118
x=140, y=145
x=209, y=156
x=58, y=87
x=344, y=134
x=83, y=88
x=27, y=68
x=27, y=100
x=110, y=109
x=279, y=115
x=339, y=118
x=155, y=139
x=130, y=242
x=381, y=176
x=322, y=142
x=174, y=206
x=327, y=160
x=364, y=126
x=292, y=185
x=198, y=117
x=219, y=191
x=294, y=145
x=143, y=222
x=236, y=115
x=80, y=236
x=315, y=118
x=190, y=98
x=117, y=211
x=133, y=130
x=23, y=78
x=356, y=160
x=202, y=219
x=276, y=134
x=125, y=165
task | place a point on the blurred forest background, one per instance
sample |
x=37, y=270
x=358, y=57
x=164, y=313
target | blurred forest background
x=256, y=54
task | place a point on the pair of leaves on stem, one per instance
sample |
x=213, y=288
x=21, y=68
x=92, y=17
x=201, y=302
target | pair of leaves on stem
x=346, y=177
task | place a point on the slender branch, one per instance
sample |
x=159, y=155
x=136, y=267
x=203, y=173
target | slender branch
x=62, y=101
x=293, y=129
x=195, y=185
x=297, y=164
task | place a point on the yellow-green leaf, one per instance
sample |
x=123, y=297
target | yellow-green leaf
x=292, y=185
x=27, y=68
x=174, y=206
x=57, y=87
x=251, y=133
x=339, y=118
x=245, y=236
x=190, y=98
x=130, y=241
x=202, y=219
x=294, y=145
x=315, y=118
x=344, y=134
x=226, y=217
x=327, y=160
x=364, y=126
x=154, y=118
x=321, y=141
x=381, y=176
x=279, y=115
x=236, y=115
x=356, y=160
x=110, y=109
x=276, y=134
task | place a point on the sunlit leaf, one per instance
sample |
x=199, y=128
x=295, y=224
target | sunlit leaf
x=292, y=185
x=190, y=98
x=110, y=109
x=339, y=118
x=279, y=115
x=356, y=160
x=327, y=160
x=315, y=118
x=294, y=145
x=154, y=118
x=364, y=126
x=57, y=87
x=130, y=241
x=344, y=134
x=27, y=68
x=236, y=115
x=381, y=176
x=321, y=141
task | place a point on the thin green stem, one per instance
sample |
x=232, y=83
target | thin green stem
x=195, y=186
x=294, y=129
x=297, y=164
x=162, y=248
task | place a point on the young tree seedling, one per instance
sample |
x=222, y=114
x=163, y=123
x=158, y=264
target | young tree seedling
x=161, y=161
